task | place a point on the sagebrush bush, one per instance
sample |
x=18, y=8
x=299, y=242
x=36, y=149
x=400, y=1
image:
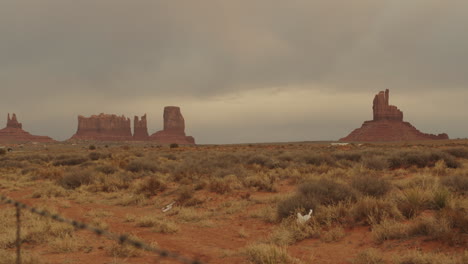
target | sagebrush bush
x=317, y=159
x=268, y=254
x=314, y=193
x=457, y=183
x=371, y=185
x=371, y=210
x=295, y=204
x=369, y=256
x=151, y=186
x=106, y=169
x=413, y=201
x=140, y=165
x=389, y=229
x=459, y=152
x=375, y=162
x=351, y=156
x=421, y=159
x=3, y=151
x=327, y=191
x=75, y=178
x=69, y=160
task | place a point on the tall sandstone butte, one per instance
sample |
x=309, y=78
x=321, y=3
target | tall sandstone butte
x=140, y=128
x=103, y=127
x=388, y=125
x=14, y=133
x=174, y=128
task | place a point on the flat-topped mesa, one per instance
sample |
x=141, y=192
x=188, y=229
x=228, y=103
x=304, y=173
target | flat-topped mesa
x=13, y=122
x=384, y=111
x=103, y=127
x=174, y=128
x=14, y=133
x=388, y=125
x=140, y=128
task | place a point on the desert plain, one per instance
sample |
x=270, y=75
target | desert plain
x=404, y=202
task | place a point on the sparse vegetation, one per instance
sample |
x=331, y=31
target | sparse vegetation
x=392, y=194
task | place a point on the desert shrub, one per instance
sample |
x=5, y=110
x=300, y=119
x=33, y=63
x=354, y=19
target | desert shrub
x=457, y=183
x=369, y=256
x=420, y=159
x=169, y=156
x=295, y=204
x=268, y=254
x=327, y=191
x=440, y=198
x=329, y=215
x=418, y=257
x=173, y=145
x=139, y=165
x=456, y=216
x=372, y=210
x=313, y=193
x=317, y=159
x=69, y=160
x=262, y=160
x=286, y=157
x=375, y=162
x=436, y=229
x=94, y=156
x=51, y=173
x=237, y=171
x=371, y=185
x=151, y=186
x=75, y=178
x=106, y=169
x=413, y=201
x=122, y=251
x=3, y=151
x=186, y=196
x=9, y=257
x=7, y=163
x=458, y=152
x=290, y=231
x=389, y=229
x=262, y=182
x=224, y=185
x=333, y=235
x=350, y=156
x=111, y=182
x=92, y=147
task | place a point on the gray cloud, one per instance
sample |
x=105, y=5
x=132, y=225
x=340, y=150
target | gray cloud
x=113, y=54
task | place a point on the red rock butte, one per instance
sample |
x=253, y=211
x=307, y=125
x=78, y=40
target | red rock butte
x=388, y=125
x=140, y=128
x=103, y=127
x=174, y=128
x=14, y=133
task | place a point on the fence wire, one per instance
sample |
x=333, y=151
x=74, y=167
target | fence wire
x=122, y=239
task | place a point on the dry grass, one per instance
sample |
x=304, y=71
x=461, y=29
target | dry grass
x=401, y=192
x=268, y=254
x=369, y=256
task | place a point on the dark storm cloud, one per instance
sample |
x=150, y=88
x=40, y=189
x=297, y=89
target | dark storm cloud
x=107, y=52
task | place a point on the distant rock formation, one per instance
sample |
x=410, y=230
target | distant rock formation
x=103, y=127
x=384, y=111
x=174, y=128
x=14, y=133
x=140, y=129
x=388, y=125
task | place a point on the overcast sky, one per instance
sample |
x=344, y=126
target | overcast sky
x=241, y=71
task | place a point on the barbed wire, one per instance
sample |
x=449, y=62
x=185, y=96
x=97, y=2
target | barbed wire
x=122, y=239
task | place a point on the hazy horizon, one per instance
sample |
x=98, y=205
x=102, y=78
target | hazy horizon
x=241, y=71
